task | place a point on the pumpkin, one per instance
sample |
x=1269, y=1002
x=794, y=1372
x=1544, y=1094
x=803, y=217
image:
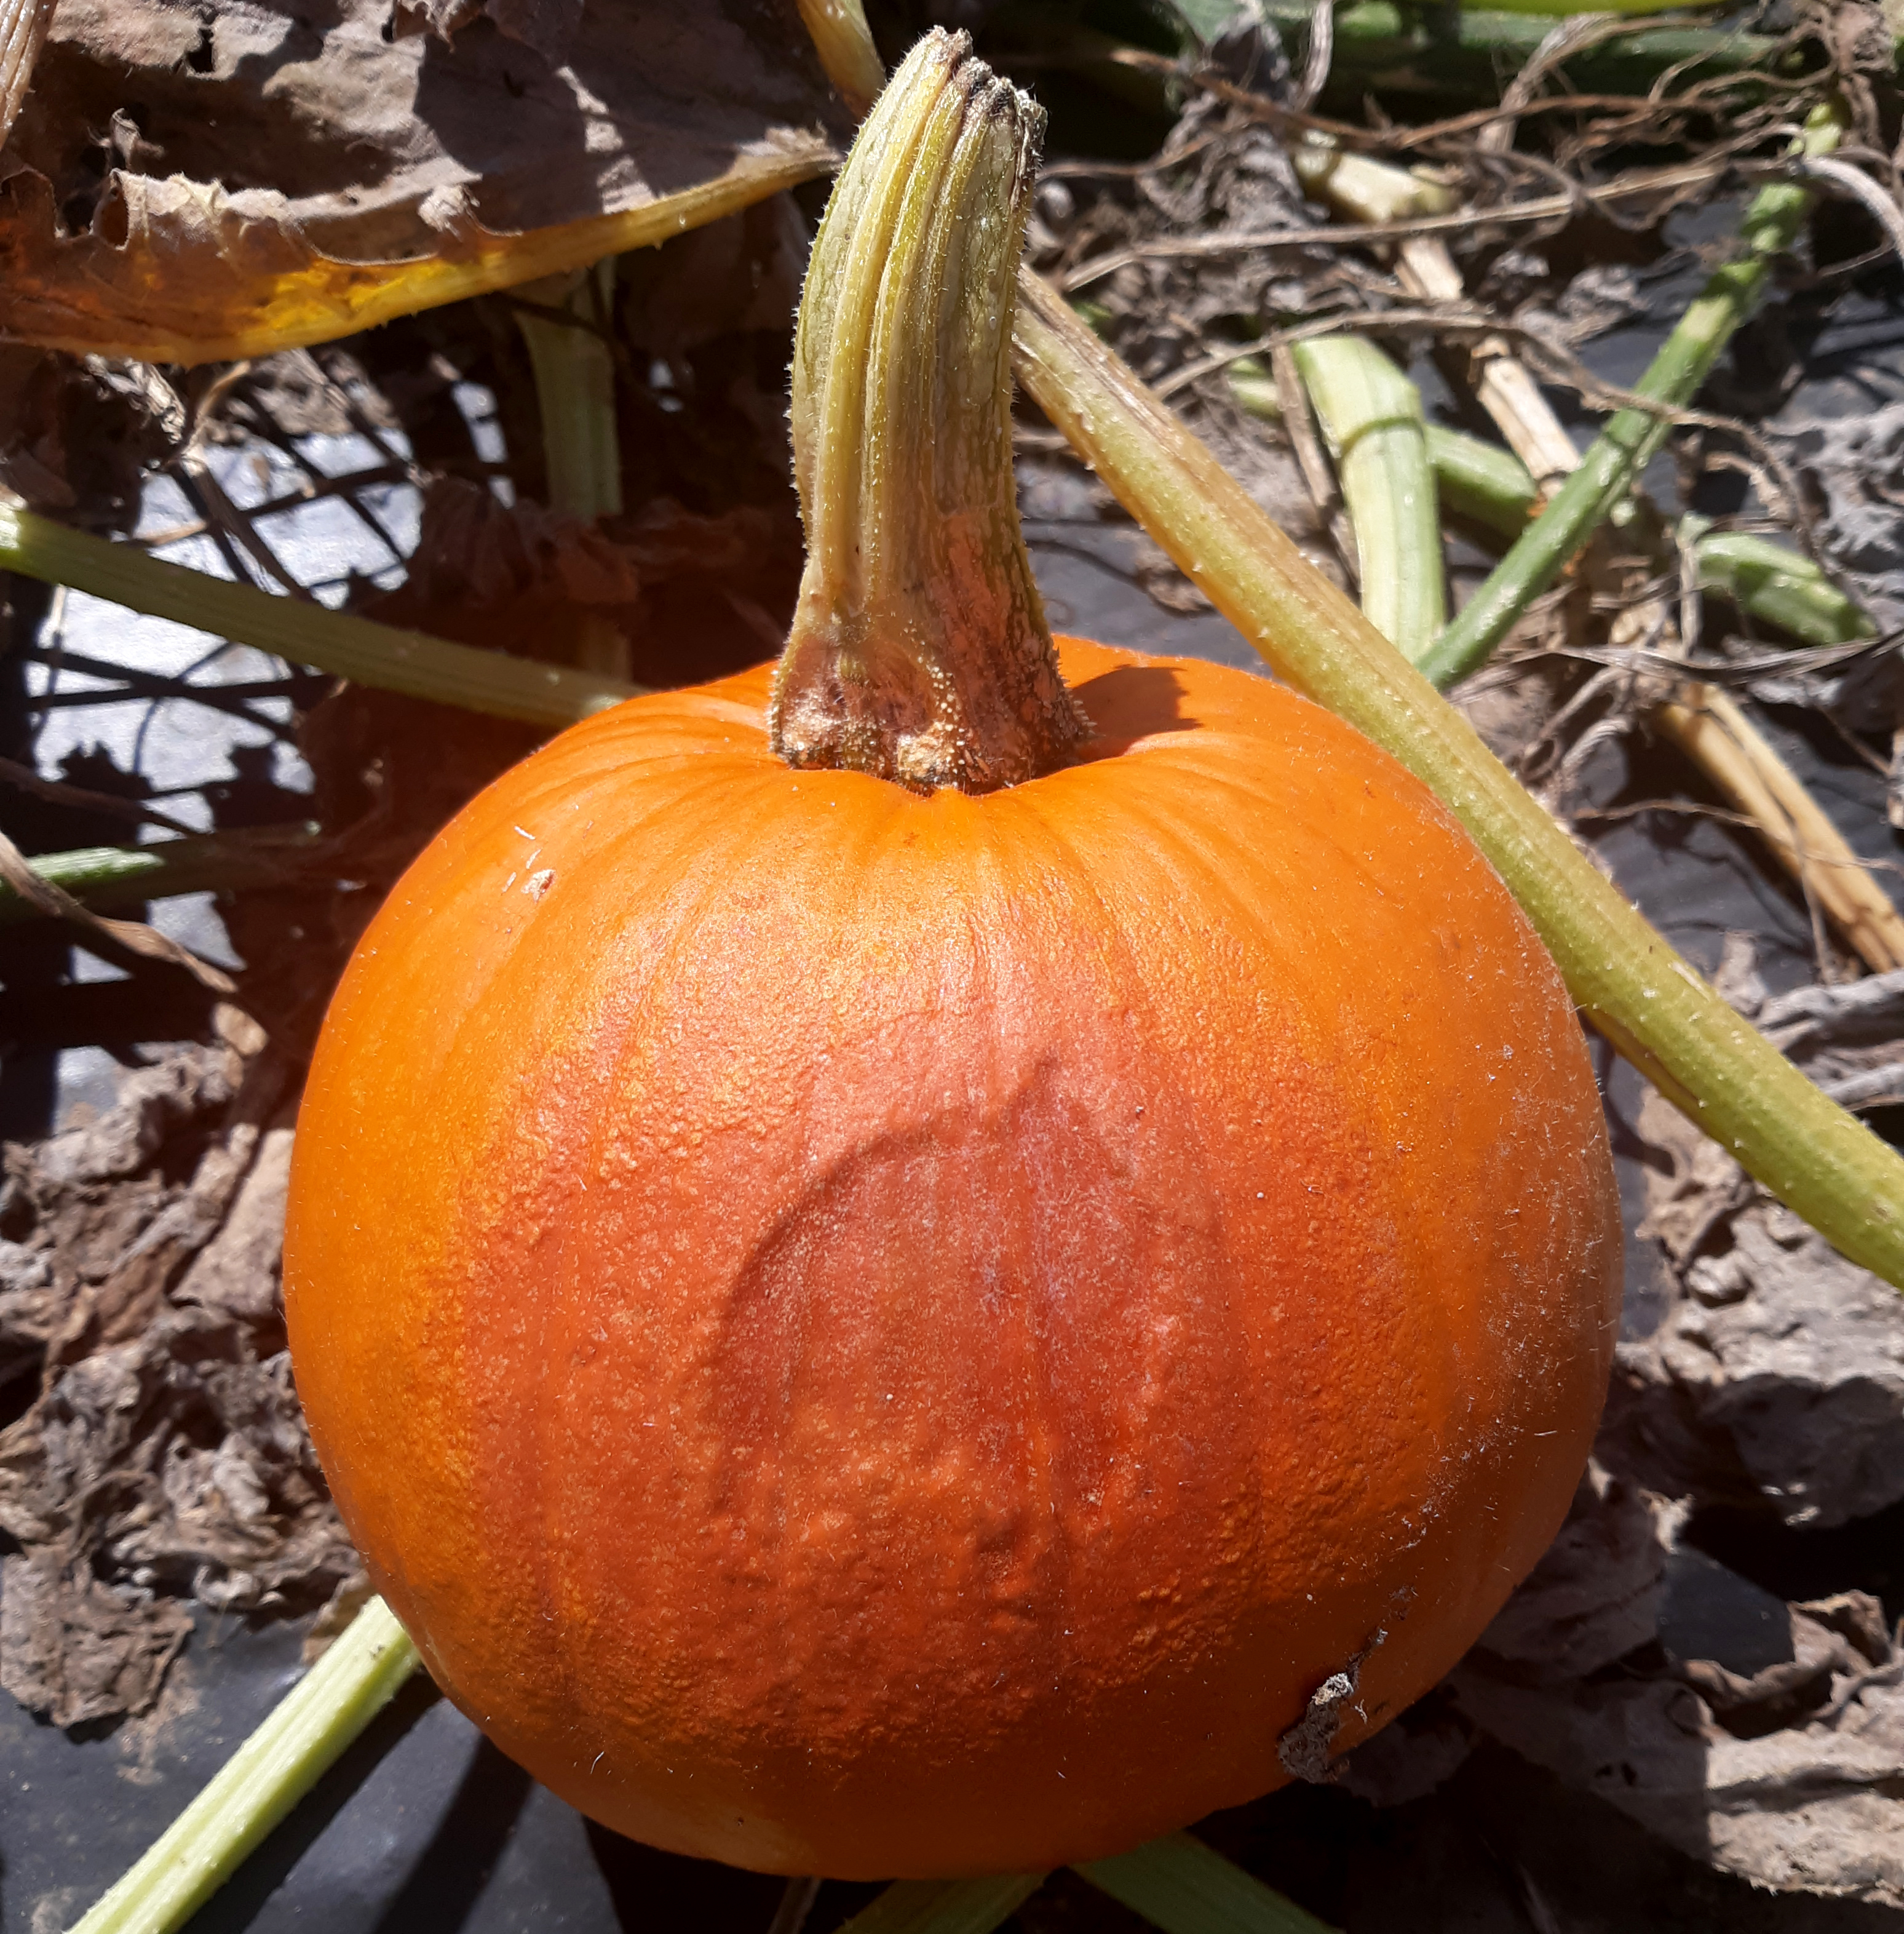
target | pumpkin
x=881, y=1328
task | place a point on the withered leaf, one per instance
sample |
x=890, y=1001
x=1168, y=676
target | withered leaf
x=165, y=1457
x=188, y=182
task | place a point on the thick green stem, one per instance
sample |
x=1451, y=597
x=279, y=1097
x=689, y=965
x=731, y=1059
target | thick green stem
x=1779, y=586
x=574, y=387
x=1632, y=985
x=263, y=1781
x=1371, y=415
x=1185, y=1887
x=919, y=651
x=1480, y=481
x=1491, y=487
x=1469, y=53
x=306, y=633
x=104, y=876
x=1610, y=467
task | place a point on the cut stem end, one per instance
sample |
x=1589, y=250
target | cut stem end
x=919, y=651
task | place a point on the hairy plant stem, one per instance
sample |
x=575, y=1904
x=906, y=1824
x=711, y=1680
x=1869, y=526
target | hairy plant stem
x=1371, y=415
x=1647, y=1001
x=918, y=651
x=263, y=1781
x=306, y=633
x=1609, y=468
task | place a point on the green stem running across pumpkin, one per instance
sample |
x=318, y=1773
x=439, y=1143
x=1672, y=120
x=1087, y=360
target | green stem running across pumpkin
x=1633, y=985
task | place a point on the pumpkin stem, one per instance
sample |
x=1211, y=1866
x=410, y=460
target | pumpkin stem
x=919, y=651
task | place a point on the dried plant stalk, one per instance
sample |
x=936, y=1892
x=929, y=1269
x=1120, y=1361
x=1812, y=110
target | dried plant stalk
x=1712, y=730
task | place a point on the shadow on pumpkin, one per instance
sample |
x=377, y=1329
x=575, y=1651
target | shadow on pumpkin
x=1133, y=702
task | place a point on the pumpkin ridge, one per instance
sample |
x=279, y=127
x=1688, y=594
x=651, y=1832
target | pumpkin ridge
x=480, y=1215
x=1135, y=985
x=633, y=1021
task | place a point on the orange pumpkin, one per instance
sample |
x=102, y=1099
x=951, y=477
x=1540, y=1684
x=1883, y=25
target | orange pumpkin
x=868, y=1334
x=876, y=1328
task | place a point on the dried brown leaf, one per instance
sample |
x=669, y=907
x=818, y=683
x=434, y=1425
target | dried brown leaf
x=1788, y=1358
x=280, y=173
x=165, y=1457
x=1765, y=1738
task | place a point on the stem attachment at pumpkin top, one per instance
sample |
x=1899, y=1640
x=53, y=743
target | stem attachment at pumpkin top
x=919, y=651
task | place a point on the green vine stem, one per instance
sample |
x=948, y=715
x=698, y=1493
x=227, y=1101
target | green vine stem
x=1371, y=416
x=1396, y=50
x=1481, y=482
x=1490, y=487
x=263, y=1781
x=574, y=371
x=1777, y=585
x=1477, y=480
x=1441, y=57
x=306, y=633
x=1632, y=985
x=1181, y=1885
x=573, y=365
x=201, y=862
x=1624, y=448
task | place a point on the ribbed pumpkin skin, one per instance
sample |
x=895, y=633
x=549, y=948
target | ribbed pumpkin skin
x=876, y=1335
